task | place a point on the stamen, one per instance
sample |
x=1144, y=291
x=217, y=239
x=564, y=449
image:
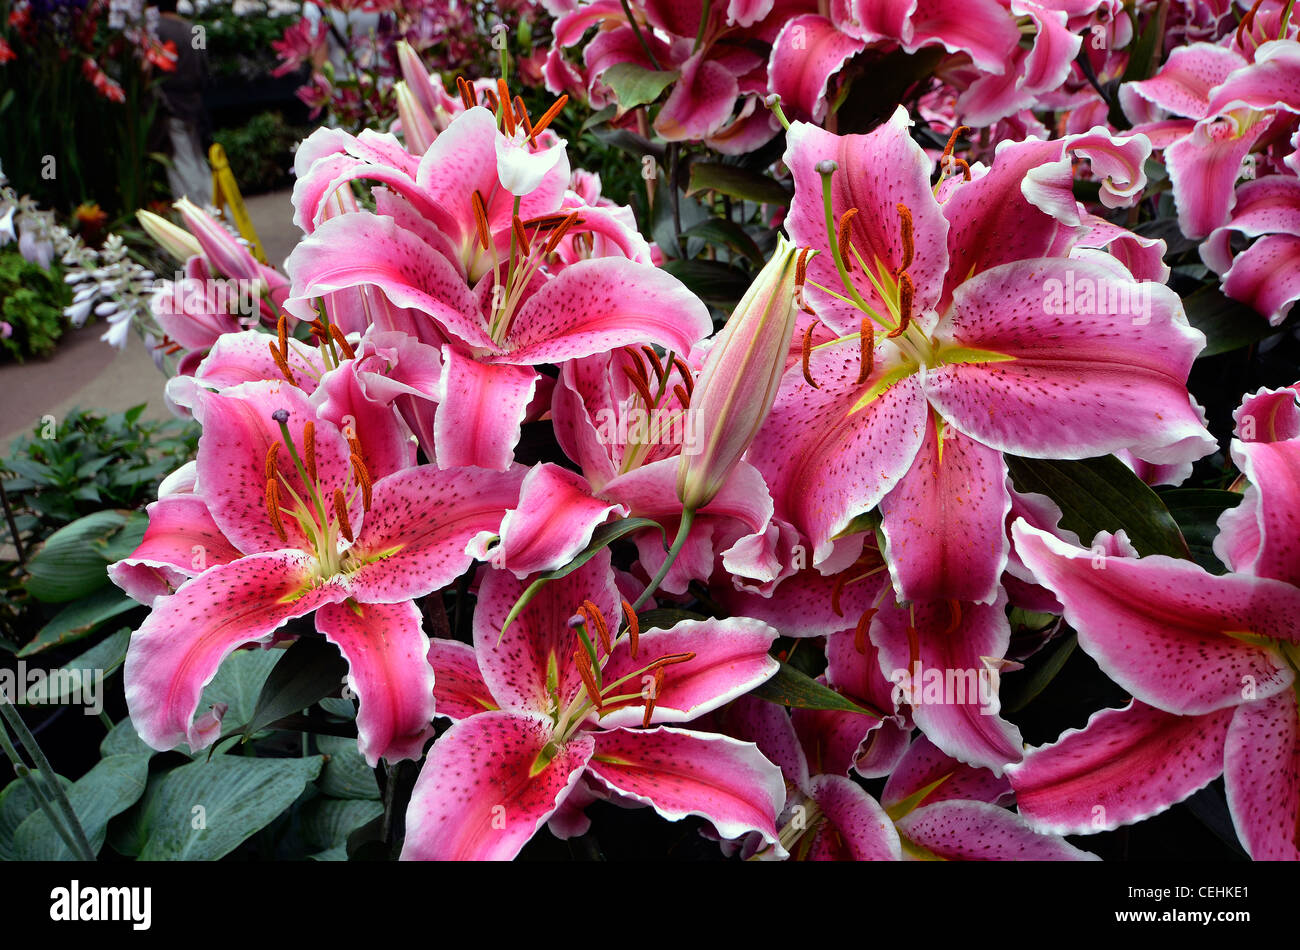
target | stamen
x=318, y=330
x=309, y=448
x=559, y=233
x=597, y=620
x=688, y=380
x=521, y=116
x=639, y=385
x=952, y=140
x=507, y=113
x=905, y=214
x=173, y=349
x=273, y=508
x=521, y=236
x=682, y=395
x=549, y=115
x=860, y=631
x=650, y=700
x=490, y=98
x=363, y=479
x=836, y=589
x=342, y=342
x=467, y=94
x=282, y=332
x=480, y=219
x=653, y=357
x=867, y=350
x=842, y=238
x=1247, y=22
x=639, y=363
x=807, y=354
x=582, y=660
x=281, y=364
x=801, y=267
x=633, y=628
x=671, y=659
x=906, y=291
x=271, y=455
x=341, y=512
x=965, y=168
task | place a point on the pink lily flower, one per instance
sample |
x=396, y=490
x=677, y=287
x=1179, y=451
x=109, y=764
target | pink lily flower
x=953, y=350
x=296, y=524
x=932, y=807
x=1266, y=275
x=561, y=707
x=1141, y=619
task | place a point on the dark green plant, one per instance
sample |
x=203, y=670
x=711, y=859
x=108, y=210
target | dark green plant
x=261, y=151
x=31, y=302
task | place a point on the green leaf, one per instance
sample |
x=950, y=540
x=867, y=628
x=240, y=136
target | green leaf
x=125, y=541
x=712, y=281
x=665, y=617
x=110, y=788
x=17, y=803
x=239, y=682
x=71, y=564
x=326, y=824
x=208, y=808
x=1197, y=512
x=721, y=232
x=635, y=85
x=106, y=655
x=601, y=538
x=1017, y=692
x=122, y=739
x=310, y=670
x=1102, y=494
x=789, y=687
x=1227, y=324
x=80, y=619
x=345, y=774
x=738, y=183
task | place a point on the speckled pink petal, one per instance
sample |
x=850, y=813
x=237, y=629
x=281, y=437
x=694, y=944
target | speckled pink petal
x=182, y=541
x=481, y=409
x=680, y=773
x=768, y=726
x=1148, y=622
x=925, y=765
x=1203, y=167
x=1182, y=85
x=1268, y=415
x=363, y=248
x=853, y=826
x=731, y=658
x=978, y=831
x=800, y=606
x=1124, y=766
x=1078, y=384
x=826, y=464
x=597, y=305
x=386, y=649
x=1262, y=777
x=180, y=645
x=421, y=521
x=807, y=54
x=458, y=688
x=1266, y=276
x=833, y=740
x=700, y=102
x=238, y=433
x=555, y=519
x=246, y=357
x=515, y=664
x=876, y=172
x=475, y=799
x=1261, y=536
x=1272, y=80
x=943, y=522
x=953, y=693
x=856, y=672
x=980, y=29
x=342, y=400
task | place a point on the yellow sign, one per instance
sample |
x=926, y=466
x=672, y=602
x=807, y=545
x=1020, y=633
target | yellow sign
x=225, y=193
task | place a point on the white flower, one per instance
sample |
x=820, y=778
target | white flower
x=520, y=169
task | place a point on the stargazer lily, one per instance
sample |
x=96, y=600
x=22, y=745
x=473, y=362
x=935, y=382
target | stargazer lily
x=286, y=502
x=563, y=708
x=1212, y=662
x=950, y=342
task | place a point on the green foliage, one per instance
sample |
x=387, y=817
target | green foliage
x=261, y=152
x=31, y=302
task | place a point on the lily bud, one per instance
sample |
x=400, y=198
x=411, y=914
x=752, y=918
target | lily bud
x=225, y=254
x=416, y=125
x=738, y=383
x=177, y=242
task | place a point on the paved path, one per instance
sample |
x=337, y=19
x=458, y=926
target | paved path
x=86, y=372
